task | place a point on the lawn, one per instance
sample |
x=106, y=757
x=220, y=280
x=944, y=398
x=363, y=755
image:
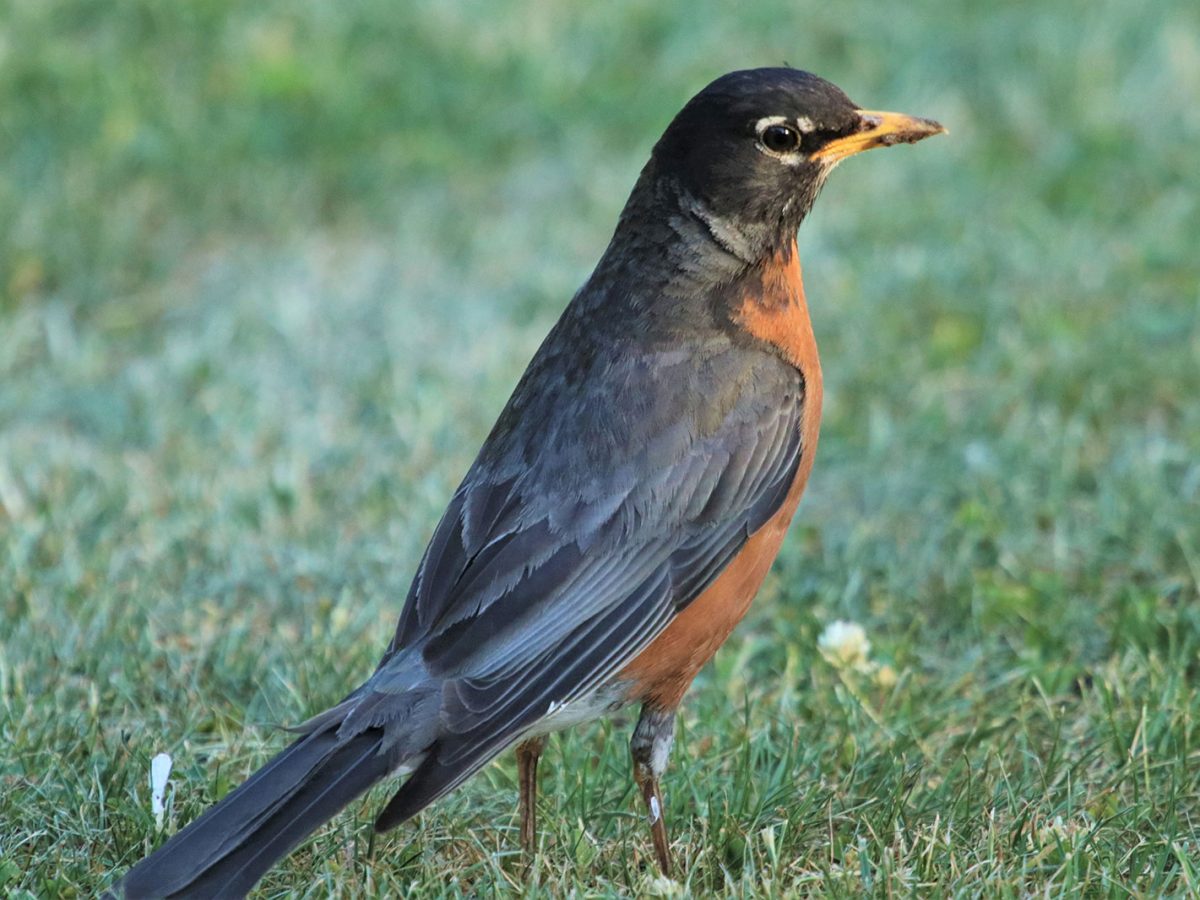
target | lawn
x=268, y=272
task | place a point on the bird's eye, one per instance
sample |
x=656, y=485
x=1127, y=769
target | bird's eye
x=780, y=138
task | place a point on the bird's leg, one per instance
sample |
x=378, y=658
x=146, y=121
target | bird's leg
x=650, y=747
x=527, y=762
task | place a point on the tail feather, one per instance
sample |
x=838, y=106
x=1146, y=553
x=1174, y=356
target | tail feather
x=225, y=851
x=430, y=781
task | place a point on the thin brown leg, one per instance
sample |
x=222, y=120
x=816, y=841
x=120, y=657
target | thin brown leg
x=651, y=793
x=527, y=762
x=650, y=747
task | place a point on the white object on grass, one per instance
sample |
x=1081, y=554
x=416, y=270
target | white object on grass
x=845, y=644
x=160, y=771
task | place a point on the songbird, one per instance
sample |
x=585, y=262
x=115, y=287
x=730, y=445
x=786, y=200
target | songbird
x=621, y=514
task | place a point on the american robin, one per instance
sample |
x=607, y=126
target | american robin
x=622, y=513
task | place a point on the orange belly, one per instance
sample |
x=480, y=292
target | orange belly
x=661, y=674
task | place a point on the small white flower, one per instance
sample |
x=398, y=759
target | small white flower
x=160, y=771
x=845, y=645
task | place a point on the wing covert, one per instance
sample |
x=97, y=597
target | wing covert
x=557, y=562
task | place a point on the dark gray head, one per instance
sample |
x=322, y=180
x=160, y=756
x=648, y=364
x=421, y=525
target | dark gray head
x=752, y=149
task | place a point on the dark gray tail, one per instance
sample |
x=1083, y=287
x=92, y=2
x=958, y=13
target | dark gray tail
x=225, y=851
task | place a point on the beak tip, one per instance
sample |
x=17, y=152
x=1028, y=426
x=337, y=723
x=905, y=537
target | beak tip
x=923, y=128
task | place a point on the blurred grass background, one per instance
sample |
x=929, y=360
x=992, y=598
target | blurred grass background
x=268, y=271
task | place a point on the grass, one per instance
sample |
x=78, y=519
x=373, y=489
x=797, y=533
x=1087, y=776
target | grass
x=268, y=271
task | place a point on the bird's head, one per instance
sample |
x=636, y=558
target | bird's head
x=753, y=149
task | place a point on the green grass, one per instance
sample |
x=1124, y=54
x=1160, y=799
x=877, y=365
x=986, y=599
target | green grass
x=268, y=272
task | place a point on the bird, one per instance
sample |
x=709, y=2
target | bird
x=621, y=514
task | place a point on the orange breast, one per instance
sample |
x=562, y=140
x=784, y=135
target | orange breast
x=778, y=314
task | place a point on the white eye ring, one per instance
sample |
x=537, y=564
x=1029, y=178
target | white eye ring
x=803, y=123
x=770, y=130
x=766, y=121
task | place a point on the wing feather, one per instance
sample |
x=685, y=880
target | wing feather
x=564, y=555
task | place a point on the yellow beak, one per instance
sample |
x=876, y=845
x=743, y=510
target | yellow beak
x=879, y=129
